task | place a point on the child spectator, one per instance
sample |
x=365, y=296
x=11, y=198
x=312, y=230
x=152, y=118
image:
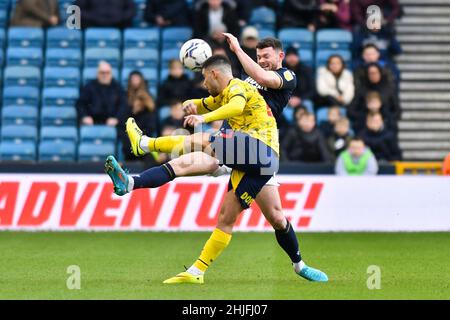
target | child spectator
x=327, y=127
x=176, y=118
x=305, y=142
x=177, y=84
x=357, y=160
x=340, y=138
x=335, y=83
x=373, y=105
x=380, y=140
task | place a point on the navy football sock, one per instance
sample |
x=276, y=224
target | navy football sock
x=154, y=177
x=287, y=240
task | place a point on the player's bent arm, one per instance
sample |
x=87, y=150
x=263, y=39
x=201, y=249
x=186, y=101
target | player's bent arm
x=233, y=108
x=204, y=105
x=268, y=79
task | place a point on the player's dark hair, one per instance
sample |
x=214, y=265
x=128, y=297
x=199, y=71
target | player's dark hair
x=270, y=43
x=217, y=60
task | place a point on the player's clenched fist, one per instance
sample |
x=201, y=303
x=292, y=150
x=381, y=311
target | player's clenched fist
x=189, y=107
x=193, y=120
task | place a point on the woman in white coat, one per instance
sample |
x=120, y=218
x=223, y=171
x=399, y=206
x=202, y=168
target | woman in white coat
x=335, y=83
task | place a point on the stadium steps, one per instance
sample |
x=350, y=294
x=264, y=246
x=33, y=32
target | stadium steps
x=424, y=33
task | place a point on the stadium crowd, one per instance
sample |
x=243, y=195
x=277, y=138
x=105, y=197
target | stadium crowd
x=344, y=109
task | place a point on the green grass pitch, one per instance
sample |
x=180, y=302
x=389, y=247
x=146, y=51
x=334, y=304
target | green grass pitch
x=133, y=266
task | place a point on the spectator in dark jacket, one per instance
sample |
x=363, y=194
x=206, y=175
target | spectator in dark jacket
x=300, y=14
x=176, y=85
x=335, y=14
x=106, y=13
x=374, y=105
x=212, y=14
x=305, y=82
x=36, y=13
x=164, y=13
x=375, y=80
x=371, y=54
x=380, y=140
x=146, y=119
x=305, y=142
x=102, y=100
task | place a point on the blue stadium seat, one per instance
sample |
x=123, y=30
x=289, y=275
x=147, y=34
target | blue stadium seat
x=63, y=58
x=265, y=33
x=2, y=38
x=102, y=38
x=22, y=76
x=297, y=38
x=19, y=115
x=93, y=56
x=334, y=39
x=263, y=17
x=91, y=74
x=151, y=75
x=59, y=116
x=25, y=37
x=59, y=134
x=61, y=37
x=175, y=37
x=24, y=57
x=307, y=57
x=164, y=113
x=141, y=38
x=323, y=55
x=19, y=133
x=62, y=77
x=57, y=151
x=98, y=134
x=20, y=96
x=17, y=152
x=140, y=58
x=309, y=105
x=169, y=54
x=95, y=152
x=60, y=97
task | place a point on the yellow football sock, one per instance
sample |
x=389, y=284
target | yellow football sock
x=218, y=241
x=167, y=144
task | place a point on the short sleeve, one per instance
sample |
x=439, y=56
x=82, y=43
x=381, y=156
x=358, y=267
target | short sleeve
x=288, y=79
x=237, y=90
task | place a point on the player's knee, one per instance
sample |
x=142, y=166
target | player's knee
x=277, y=218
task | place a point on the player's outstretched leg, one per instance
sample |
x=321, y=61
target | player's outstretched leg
x=270, y=204
x=142, y=145
x=196, y=163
